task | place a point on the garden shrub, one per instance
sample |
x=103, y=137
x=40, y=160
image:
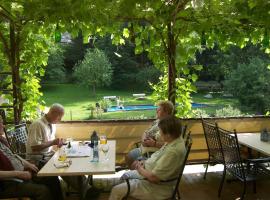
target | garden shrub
x=228, y=111
x=198, y=113
x=250, y=84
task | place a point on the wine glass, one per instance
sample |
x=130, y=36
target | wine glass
x=105, y=150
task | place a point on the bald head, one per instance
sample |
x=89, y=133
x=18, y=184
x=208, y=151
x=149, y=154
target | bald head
x=55, y=113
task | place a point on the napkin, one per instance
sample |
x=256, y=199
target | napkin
x=67, y=163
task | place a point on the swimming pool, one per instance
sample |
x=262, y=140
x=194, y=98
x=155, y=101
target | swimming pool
x=145, y=107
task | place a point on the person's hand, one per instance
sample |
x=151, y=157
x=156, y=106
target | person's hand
x=58, y=141
x=31, y=167
x=24, y=175
x=149, y=142
x=61, y=142
x=134, y=164
x=139, y=165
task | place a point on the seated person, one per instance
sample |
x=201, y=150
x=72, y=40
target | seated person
x=163, y=165
x=17, y=177
x=151, y=138
x=41, y=134
x=41, y=138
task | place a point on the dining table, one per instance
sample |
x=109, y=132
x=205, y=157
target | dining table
x=253, y=141
x=79, y=163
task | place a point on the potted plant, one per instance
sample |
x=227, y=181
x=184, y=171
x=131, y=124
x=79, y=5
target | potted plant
x=104, y=104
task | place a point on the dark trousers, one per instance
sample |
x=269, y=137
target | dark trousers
x=47, y=188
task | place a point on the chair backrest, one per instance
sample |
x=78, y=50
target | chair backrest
x=188, y=144
x=184, y=131
x=231, y=151
x=17, y=138
x=213, y=142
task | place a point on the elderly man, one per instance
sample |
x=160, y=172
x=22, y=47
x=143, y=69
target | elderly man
x=41, y=136
x=151, y=140
x=17, y=174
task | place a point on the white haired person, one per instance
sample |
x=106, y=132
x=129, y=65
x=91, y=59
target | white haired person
x=148, y=180
x=41, y=133
x=150, y=141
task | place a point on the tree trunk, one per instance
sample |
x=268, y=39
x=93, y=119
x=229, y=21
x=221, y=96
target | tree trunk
x=171, y=53
x=94, y=90
x=15, y=73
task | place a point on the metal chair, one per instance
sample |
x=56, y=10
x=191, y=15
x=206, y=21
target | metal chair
x=17, y=138
x=248, y=170
x=175, y=194
x=215, y=154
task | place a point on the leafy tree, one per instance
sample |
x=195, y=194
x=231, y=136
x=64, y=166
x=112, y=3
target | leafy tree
x=129, y=69
x=170, y=31
x=55, y=71
x=250, y=83
x=147, y=75
x=94, y=71
x=74, y=52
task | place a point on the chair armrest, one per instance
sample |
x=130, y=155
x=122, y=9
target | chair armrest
x=258, y=160
x=128, y=190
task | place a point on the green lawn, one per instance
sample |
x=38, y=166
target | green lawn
x=76, y=100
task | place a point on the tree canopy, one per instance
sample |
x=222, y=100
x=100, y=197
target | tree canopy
x=171, y=31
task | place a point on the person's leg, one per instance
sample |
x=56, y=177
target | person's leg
x=13, y=189
x=118, y=191
x=53, y=184
x=133, y=155
x=137, y=191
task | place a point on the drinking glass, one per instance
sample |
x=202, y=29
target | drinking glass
x=103, y=139
x=105, y=150
x=62, y=156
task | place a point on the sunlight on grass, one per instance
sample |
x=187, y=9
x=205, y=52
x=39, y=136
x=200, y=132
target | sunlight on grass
x=77, y=99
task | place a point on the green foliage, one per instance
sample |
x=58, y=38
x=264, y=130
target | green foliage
x=55, y=71
x=130, y=70
x=250, y=83
x=183, y=93
x=228, y=111
x=170, y=31
x=198, y=113
x=94, y=71
x=105, y=104
x=146, y=76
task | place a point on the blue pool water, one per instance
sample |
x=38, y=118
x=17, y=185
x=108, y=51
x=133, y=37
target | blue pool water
x=145, y=107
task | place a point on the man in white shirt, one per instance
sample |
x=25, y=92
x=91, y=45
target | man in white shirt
x=41, y=136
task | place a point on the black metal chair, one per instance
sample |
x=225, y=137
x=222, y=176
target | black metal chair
x=215, y=154
x=17, y=138
x=175, y=194
x=248, y=170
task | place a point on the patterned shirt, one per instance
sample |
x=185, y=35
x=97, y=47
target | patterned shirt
x=15, y=161
x=152, y=132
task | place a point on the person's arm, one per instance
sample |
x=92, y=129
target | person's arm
x=150, y=142
x=147, y=174
x=27, y=165
x=40, y=147
x=24, y=175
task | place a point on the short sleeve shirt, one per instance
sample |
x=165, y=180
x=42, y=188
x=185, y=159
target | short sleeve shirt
x=40, y=131
x=165, y=163
x=152, y=132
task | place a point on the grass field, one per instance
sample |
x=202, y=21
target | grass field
x=77, y=99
